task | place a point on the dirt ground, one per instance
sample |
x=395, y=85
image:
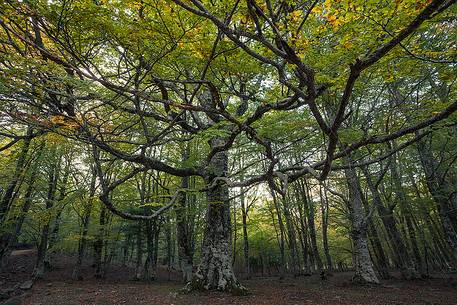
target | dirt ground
x=58, y=289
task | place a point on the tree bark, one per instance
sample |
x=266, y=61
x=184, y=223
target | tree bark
x=215, y=270
x=150, y=262
x=99, y=244
x=281, y=240
x=184, y=231
x=85, y=228
x=312, y=227
x=364, y=272
x=8, y=196
x=139, y=252
x=324, y=212
x=244, y=215
x=9, y=238
x=50, y=199
x=290, y=236
x=304, y=237
x=373, y=235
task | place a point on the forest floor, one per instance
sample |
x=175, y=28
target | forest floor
x=58, y=289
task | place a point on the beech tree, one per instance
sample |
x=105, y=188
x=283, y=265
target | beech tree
x=175, y=88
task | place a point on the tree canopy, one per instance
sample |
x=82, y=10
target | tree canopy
x=141, y=107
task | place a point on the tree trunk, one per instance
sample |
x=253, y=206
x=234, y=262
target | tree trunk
x=99, y=244
x=215, y=270
x=324, y=212
x=9, y=238
x=373, y=235
x=125, y=249
x=149, y=264
x=364, y=272
x=244, y=215
x=312, y=227
x=184, y=230
x=85, y=228
x=304, y=238
x=139, y=252
x=51, y=194
x=281, y=240
x=290, y=236
x=8, y=196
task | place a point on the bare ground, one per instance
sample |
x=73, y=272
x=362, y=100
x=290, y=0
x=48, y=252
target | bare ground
x=58, y=289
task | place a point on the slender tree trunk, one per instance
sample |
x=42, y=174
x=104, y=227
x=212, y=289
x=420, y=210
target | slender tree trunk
x=99, y=244
x=50, y=199
x=304, y=238
x=184, y=231
x=324, y=212
x=9, y=238
x=85, y=228
x=290, y=236
x=282, y=267
x=244, y=215
x=149, y=264
x=405, y=263
x=139, y=252
x=437, y=244
x=169, y=247
x=235, y=235
x=125, y=249
x=8, y=196
x=406, y=213
x=312, y=228
x=439, y=190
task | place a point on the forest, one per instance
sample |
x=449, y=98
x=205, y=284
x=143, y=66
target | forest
x=228, y=152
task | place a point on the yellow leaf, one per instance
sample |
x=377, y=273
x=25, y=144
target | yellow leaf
x=295, y=15
x=316, y=10
x=327, y=4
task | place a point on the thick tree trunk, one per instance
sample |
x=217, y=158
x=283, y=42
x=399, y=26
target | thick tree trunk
x=364, y=272
x=215, y=270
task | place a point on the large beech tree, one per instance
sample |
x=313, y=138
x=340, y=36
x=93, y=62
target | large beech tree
x=199, y=78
